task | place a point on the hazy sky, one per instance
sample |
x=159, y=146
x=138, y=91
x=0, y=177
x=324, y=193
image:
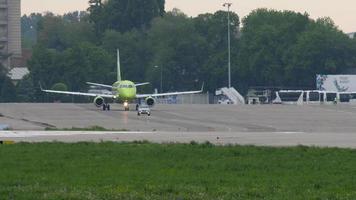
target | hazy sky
x=343, y=12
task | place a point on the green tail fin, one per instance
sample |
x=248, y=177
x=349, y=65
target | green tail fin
x=118, y=66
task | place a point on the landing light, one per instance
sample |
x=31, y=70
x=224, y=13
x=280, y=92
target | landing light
x=126, y=104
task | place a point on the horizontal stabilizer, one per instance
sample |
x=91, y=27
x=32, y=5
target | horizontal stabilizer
x=100, y=85
x=141, y=84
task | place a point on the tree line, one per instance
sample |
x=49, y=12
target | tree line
x=273, y=48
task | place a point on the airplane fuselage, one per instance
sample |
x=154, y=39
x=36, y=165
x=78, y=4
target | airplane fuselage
x=125, y=90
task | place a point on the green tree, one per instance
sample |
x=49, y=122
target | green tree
x=213, y=28
x=97, y=16
x=124, y=15
x=179, y=50
x=25, y=90
x=29, y=26
x=87, y=62
x=62, y=32
x=321, y=49
x=76, y=16
x=267, y=42
x=74, y=66
x=274, y=48
x=7, y=90
x=59, y=97
x=289, y=49
x=135, y=55
x=60, y=87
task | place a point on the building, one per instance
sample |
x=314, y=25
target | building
x=351, y=35
x=10, y=31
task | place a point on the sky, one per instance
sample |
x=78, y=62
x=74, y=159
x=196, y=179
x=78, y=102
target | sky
x=343, y=12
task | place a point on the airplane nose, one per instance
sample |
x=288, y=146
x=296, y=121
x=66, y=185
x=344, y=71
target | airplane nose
x=127, y=94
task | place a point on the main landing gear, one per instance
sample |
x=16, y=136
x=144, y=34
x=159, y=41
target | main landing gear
x=106, y=106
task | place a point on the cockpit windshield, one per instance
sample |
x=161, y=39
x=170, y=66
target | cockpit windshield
x=126, y=86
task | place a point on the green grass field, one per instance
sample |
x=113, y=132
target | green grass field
x=174, y=171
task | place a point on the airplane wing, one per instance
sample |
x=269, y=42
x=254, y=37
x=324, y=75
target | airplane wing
x=141, y=84
x=169, y=93
x=101, y=85
x=79, y=93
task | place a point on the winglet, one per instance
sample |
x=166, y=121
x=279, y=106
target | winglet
x=39, y=83
x=202, y=87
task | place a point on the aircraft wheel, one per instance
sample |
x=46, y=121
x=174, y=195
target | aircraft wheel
x=104, y=107
x=108, y=107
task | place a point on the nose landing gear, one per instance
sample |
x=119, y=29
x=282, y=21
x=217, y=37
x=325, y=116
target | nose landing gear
x=126, y=106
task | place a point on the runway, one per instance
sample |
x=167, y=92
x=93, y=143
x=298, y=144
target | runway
x=267, y=125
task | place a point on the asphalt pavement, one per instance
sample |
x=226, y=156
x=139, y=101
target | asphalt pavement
x=268, y=125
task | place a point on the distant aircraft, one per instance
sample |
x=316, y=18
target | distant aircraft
x=123, y=91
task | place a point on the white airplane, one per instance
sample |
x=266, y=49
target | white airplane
x=123, y=91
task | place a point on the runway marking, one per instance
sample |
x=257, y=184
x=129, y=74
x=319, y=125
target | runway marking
x=29, y=134
x=290, y=132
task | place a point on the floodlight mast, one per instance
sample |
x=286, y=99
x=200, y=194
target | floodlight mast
x=228, y=5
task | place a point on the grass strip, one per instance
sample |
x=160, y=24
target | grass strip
x=142, y=170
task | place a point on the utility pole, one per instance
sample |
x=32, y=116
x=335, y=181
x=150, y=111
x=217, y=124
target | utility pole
x=228, y=5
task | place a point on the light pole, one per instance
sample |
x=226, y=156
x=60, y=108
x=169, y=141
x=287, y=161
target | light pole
x=161, y=78
x=228, y=5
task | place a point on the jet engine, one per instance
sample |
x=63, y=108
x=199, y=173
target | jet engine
x=99, y=101
x=150, y=101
